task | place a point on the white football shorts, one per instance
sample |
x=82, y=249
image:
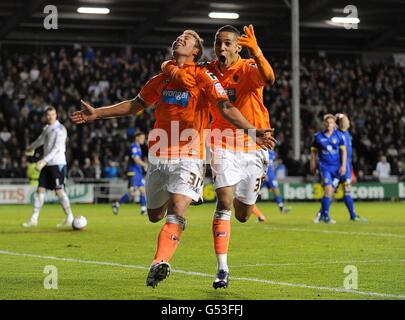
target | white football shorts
x=164, y=177
x=244, y=170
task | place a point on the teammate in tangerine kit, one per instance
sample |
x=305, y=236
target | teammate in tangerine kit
x=175, y=172
x=237, y=164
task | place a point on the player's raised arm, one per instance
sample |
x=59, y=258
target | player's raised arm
x=122, y=109
x=249, y=40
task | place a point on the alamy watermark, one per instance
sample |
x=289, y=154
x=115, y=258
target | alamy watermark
x=351, y=280
x=51, y=19
x=352, y=12
x=51, y=280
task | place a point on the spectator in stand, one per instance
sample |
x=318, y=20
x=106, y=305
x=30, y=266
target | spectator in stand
x=75, y=171
x=88, y=170
x=97, y=167
x=111, y=171
x=383, y=169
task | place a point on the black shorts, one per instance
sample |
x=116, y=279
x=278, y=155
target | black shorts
x=52, y=177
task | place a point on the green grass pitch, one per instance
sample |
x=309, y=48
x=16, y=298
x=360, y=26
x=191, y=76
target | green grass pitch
x=287, y=257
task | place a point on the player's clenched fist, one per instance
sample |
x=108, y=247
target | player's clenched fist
x=87, y=114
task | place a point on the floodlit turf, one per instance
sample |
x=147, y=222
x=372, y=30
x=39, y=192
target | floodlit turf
x=287, y=257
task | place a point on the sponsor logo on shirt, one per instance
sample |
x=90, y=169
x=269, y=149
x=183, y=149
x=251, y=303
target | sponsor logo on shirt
x=180, y=98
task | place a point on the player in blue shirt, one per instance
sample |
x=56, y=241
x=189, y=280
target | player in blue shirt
x=136, y=180
x=329, y=147
x=343, y=123
x=270, y=181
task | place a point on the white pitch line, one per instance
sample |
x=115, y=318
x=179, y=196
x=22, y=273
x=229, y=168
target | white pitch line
x=368, y=234
x=205, y=275
x=315, y=263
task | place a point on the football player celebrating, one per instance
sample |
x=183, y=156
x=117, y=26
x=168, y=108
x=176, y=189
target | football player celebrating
x=174, y=176
x=237, y=165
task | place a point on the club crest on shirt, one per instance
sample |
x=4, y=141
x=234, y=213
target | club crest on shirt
x=334, y=140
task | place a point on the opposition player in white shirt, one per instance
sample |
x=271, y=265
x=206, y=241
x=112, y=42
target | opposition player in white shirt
x=52, y=167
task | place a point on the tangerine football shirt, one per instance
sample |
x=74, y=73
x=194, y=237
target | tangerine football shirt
x=181, y=115
x=244, y=87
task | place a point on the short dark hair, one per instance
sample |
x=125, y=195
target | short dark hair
x=228, y=28
x=139, y=133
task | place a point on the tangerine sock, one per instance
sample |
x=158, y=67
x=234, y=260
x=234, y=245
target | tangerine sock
x=221, y=229
x=169, y=238
x=256, y=211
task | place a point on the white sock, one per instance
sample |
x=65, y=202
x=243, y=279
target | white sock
x=172, y=218
x=64, y=201
x=223, y=214
x=222, y=260
x=39, y=199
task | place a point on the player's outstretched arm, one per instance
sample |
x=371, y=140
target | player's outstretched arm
x=122, y=109
x=180, y=76
x=249, y=40
x=263, y=137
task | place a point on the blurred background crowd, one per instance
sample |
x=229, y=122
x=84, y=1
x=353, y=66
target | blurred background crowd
x=371, y=94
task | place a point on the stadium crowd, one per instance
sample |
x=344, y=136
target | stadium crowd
x=372, y=95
